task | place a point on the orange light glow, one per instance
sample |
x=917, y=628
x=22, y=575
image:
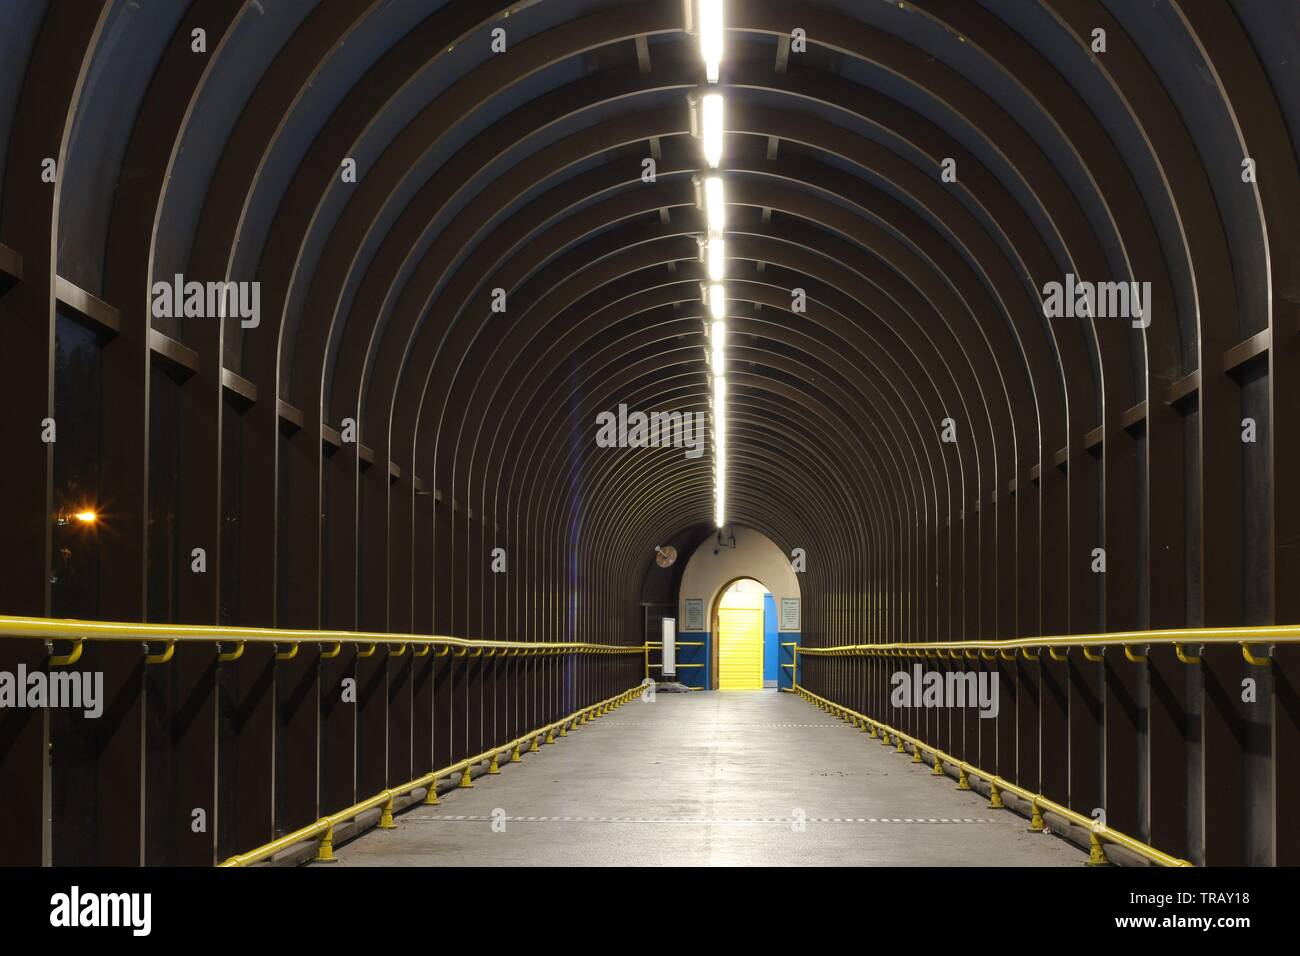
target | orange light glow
x=87, y=517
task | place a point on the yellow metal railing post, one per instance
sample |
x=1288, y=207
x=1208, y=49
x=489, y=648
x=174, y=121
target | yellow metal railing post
x=1096, y=853
x=1036, y=822
x=325, y=852
x=65, y=660
x=162, y=658
x=386, y=816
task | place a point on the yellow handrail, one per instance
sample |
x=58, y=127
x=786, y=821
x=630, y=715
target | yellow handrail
x=1243, y=636
x=79, y=631
x=998, y=785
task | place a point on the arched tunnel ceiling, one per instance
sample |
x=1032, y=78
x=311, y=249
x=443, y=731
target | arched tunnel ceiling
x=522, y=171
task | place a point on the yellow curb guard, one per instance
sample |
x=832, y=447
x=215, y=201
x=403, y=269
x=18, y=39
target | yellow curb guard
x=324, y=827
x=1097, y=833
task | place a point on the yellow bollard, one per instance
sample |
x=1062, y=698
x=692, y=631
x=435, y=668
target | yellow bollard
x=325, y=852
x=465, y=781
x=431, y=798
x=1036, y=822
x=995, y=797
x=386, y=818
x=938, y=767
x=873, y=731
x=916, y=755
x=900, y=749
x=564, y=729
x=514, y=755
x=550, y=735
x=1096, y=855
x=533, y=749
x=963, y=783
x=492, y=767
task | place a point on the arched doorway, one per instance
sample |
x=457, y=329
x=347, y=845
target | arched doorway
x=739, y=623
x=689, y=590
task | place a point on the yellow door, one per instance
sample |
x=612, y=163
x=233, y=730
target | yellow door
x=740, y=648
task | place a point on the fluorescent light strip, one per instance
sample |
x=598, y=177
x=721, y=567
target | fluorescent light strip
x=715, y=204
x=712, y=32
x=718, y=301
x=715, y=254
x=720, y=446
x=711, y=108
x=711, y=37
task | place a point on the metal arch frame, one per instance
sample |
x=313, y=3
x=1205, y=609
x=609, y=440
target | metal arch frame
x=1223, y=42
x=310, y=349
x=525, y=455
x=492, y=416
x=695, y=380
x=29, y=225
x=787, y=434
x=166, y=109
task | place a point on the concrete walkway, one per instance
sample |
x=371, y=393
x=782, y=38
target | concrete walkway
x=716, y=778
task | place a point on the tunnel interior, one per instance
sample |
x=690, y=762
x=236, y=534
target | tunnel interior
x=339, y=316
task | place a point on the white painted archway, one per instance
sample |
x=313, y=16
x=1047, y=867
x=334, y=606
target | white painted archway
x=711, y=570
